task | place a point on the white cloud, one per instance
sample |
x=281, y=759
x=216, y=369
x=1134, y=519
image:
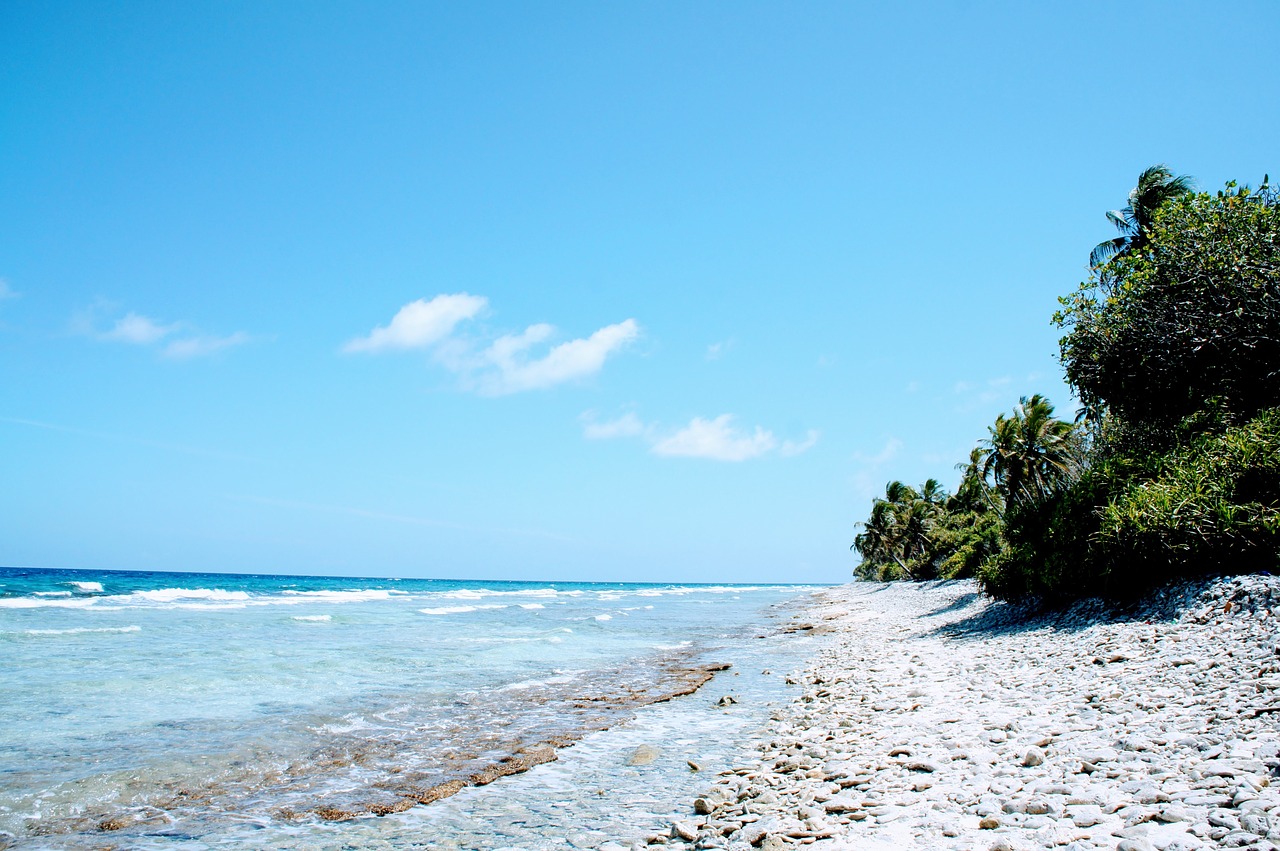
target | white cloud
x=791, y=448
x=6, y=291
x=627, y=425
x=138, y=330
x=177, y=340
x=886, y=454
x=716, y=439
x=192, y=347
x=975, y=395
x=510, y=371
x=715, y=351
x=507, y=349
x=495, y=367
x=864, y=480
x=420, y=324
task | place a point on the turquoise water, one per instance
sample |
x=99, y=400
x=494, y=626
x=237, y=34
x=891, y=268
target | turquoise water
x=214, y=710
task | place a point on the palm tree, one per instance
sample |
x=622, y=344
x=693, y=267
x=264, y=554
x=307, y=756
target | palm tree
x=898, y=537
x=885, y=531
x=1156, y=185
x=898, y=493
x=877, y=543
x=932, y=492
x=1031, y=454
x=915, y=523
x=973, y=494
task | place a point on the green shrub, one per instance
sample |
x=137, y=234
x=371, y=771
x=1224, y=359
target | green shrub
x=1212, y=507
x=1047, y=553
x=964, y=540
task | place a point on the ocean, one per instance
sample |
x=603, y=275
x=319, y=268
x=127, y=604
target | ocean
x=185, y=710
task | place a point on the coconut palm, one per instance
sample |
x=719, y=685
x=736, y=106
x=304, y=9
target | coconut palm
x=899, y=493
x=878, y=542
x=873, y=541
x=897, y=537
x=1030, y=455
x=916, y=520
x=1156, y=185
x=973, y=494
x=932, y=492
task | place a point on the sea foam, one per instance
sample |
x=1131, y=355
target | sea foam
x=457, y=610
x=82, y=630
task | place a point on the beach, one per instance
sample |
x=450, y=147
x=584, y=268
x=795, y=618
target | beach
x=864, y=716
x=931, y=717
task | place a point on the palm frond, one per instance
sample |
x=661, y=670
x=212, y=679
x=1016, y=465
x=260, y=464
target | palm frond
x=1104, y=251
x=1120, y=220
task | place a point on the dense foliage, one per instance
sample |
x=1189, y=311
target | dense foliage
x=1173, y=468
x=1211, y=505
x=1188, y=323
x=896, y=541
x=926, y=533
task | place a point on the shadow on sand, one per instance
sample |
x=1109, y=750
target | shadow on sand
x=996, y=618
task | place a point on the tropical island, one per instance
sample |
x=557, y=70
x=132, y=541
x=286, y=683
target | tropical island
x=1099, y=667
x=1171, y=468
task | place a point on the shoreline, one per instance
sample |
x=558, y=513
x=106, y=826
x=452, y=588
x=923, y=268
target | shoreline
x=588, y=708
x=331, y=706
x=895, y=716
x=930, y=717
x=607, y=709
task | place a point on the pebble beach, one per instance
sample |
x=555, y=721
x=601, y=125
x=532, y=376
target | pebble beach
x=931, y=717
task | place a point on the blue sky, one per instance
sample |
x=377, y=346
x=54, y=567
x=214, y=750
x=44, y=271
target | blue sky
x=652, y=291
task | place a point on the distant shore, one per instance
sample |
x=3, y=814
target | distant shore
x=933, y=718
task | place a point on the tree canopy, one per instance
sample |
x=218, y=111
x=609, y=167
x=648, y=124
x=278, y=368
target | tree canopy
x=1155, y=186
x=1188, y=323
x=1031, y=454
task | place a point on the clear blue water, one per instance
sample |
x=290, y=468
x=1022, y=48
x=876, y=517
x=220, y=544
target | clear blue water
x=189, y=710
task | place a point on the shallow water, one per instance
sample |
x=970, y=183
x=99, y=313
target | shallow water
x=187, y=710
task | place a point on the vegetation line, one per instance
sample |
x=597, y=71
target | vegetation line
x=1171, y=467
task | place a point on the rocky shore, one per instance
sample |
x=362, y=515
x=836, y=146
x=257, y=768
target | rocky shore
x=933, y=718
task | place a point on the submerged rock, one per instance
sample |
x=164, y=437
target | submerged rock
x=643, y=755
